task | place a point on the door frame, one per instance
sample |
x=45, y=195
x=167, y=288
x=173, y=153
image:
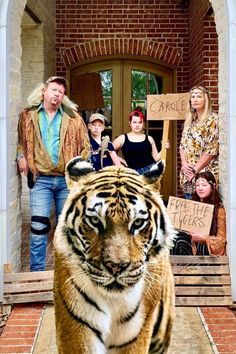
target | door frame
x=121, y=67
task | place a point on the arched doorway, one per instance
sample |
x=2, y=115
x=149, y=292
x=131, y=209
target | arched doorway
x=125, y=85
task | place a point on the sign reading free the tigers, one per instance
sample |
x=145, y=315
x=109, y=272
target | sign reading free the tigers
x=167, y=106
x=188, y=215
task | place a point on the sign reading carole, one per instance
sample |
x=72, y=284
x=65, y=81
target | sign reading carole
x=188, y=215
x=170, y=106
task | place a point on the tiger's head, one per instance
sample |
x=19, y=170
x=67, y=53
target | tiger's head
x=112, y=225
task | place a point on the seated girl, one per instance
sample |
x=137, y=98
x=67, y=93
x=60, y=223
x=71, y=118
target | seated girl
x=195, y=243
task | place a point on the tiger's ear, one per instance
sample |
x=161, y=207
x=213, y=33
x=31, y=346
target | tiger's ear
x=76, y=169
x=154, y=175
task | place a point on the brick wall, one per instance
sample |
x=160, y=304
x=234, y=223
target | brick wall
x=190, y=30
x=203, y=54
x=88, y=28
x=84, y=21
x=203, y=48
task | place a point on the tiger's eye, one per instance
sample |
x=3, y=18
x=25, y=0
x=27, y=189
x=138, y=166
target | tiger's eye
x=138, y=222
x=94, y=220
x=138, y=225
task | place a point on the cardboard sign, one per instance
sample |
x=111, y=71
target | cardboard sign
x=170, y=106
x=188, y=215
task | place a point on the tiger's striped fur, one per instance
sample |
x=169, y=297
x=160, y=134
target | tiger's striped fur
x=113, y=284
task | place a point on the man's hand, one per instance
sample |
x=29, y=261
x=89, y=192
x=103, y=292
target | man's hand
x=23, y=166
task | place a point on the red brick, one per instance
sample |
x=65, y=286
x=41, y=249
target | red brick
x=226, y=348
x=10, y=329
x=25, y=316
x=221, y=327
x=16, y=341
x=224, y=334
x=20, y=330
x=29, y=307
x=20, y=322
x=215, y=312
x=15, y=349
x=222, y=320
x=18, y=334
x=225, y=339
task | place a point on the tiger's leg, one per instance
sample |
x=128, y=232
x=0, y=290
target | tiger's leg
x=140, y=344
x=73, y=335
x=161, y=333
x=145, y=343
x=154, y=336
x=164, y=319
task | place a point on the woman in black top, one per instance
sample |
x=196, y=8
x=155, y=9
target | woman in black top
x=139, y=150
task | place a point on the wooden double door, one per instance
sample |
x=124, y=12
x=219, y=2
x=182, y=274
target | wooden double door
x=125, y=84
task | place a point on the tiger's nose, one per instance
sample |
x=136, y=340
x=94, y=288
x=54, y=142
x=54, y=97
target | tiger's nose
x=116, y=268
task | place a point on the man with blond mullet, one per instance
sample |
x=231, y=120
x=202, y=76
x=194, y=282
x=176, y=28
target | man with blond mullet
x=51, y=132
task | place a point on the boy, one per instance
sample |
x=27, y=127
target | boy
x=102, y=151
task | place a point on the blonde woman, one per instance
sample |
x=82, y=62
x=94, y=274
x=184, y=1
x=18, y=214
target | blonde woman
x=200, y=139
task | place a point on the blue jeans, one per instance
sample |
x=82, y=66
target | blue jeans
x=141, y=170
x=46, y=190
x=188, y=195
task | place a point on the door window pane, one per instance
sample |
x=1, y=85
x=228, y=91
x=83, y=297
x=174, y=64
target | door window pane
x=155, y=84
x=138, y=89
x=142, y=84
x=106, y=82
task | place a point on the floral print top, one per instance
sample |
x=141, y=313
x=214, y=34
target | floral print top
x=201, y=139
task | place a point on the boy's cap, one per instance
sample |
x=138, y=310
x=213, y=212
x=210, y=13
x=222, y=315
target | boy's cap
x=58, y=78
x=97, y=116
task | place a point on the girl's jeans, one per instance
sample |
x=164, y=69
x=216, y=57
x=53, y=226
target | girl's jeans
x=188, y=195
x=141, y=170
x=46, y=190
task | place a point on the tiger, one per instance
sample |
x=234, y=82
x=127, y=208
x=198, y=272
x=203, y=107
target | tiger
x=113, y=283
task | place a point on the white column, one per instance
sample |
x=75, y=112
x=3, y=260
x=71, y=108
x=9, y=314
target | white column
x=232, y=144
x=4, y=129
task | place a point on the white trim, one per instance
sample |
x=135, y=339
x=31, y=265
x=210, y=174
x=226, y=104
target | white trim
x=226, y=11
x=231, y=133
x=5, y=5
